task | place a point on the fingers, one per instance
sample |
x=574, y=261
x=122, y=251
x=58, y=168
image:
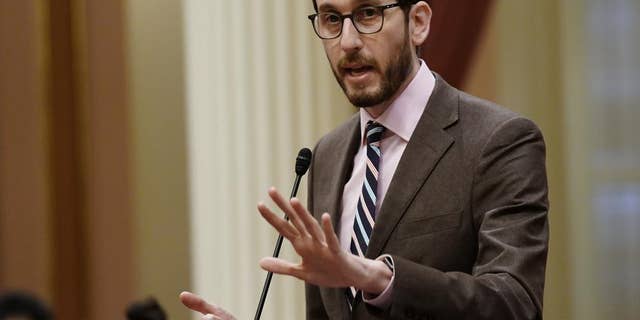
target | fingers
x=280, y=266
x=284, y=228
x=304, y=224
x=285, y=206
x=196, y=303
x=330, y=235
x=210, y=311
x=309, y=222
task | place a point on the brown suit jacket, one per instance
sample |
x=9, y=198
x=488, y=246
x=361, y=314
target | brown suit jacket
x=465, y=215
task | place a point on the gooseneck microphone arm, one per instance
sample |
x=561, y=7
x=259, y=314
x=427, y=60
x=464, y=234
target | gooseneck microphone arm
x=303, y=161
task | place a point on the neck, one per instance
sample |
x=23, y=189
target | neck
x=377, y=110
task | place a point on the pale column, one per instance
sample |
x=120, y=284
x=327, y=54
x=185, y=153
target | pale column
x=258, y=89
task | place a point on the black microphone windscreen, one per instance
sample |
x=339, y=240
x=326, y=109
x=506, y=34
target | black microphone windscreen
x=303, y=160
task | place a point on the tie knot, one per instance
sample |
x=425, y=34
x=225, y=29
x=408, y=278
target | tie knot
x=374, y=132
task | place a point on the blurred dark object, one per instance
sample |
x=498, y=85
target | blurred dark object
x=456, y=29
x=148, y=309
x=20, y=304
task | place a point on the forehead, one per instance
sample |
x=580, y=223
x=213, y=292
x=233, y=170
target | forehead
x=345, y=4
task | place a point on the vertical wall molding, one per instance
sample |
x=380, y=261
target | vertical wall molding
x=68, y=197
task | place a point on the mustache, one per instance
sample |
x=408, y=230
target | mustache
x=356, y=58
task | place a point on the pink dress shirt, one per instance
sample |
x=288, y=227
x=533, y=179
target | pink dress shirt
x=400, y=119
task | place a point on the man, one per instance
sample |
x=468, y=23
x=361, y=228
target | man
x=439, y=199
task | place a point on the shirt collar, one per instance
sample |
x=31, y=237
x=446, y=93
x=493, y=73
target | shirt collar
x=402, y=116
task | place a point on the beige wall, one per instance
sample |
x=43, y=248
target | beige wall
x=158, y=151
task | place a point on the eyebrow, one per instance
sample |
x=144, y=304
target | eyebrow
x=329, y=7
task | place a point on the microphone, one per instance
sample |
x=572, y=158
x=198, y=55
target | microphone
x=303, y=161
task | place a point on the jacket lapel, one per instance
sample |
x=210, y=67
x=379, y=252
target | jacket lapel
x=338, y=169
x=428, y=143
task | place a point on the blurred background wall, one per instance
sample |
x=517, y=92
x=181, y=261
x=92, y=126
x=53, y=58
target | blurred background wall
x=137, y=136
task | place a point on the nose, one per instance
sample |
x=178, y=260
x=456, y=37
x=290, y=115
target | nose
x=350, y=39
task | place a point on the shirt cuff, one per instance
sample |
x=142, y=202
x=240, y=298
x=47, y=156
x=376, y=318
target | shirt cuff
x=383, y=300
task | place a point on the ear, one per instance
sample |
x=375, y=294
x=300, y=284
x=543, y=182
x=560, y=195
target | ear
x=420, y=21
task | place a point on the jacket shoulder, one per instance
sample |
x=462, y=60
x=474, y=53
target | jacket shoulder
x=482, y=117
x=339, y=135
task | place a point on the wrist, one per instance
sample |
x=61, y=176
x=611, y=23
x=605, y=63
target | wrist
x=376, y=278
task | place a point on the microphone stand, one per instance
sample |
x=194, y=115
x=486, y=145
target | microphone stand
x=299, y=173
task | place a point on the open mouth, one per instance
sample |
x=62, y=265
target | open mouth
x=357, y=70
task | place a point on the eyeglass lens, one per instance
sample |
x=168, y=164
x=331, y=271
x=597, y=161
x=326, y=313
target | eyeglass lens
x=366, y=20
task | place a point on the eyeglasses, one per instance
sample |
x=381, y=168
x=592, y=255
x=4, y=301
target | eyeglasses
x=367, y=20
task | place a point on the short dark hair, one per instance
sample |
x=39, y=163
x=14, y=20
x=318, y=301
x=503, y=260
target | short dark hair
x=403, y=3
x=23, y=304
x=148, y=309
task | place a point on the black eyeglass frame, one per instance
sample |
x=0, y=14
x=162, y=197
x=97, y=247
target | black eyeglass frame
x=382, y=8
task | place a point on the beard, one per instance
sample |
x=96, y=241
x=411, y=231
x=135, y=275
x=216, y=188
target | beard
x=394, y=75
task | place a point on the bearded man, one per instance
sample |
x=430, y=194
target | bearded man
x=428, y=203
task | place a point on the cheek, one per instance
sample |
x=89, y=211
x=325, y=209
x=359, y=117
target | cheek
x=384, y=54
x=393, y=38
x=393, y=49
x=332, y=50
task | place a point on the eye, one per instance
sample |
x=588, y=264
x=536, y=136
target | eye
x=330, y=18
x=367, y=13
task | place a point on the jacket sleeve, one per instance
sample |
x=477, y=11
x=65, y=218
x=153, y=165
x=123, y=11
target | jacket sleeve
x=509, y=207
x=315, y=308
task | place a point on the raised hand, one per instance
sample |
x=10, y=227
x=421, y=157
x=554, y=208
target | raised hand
x=324, y=263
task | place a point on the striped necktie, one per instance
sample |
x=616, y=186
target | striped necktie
x=366, y=208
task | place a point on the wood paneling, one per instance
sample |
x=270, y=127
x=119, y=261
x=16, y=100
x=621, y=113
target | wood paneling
x=105, y=147
x=65, y=217
x=24, y=198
